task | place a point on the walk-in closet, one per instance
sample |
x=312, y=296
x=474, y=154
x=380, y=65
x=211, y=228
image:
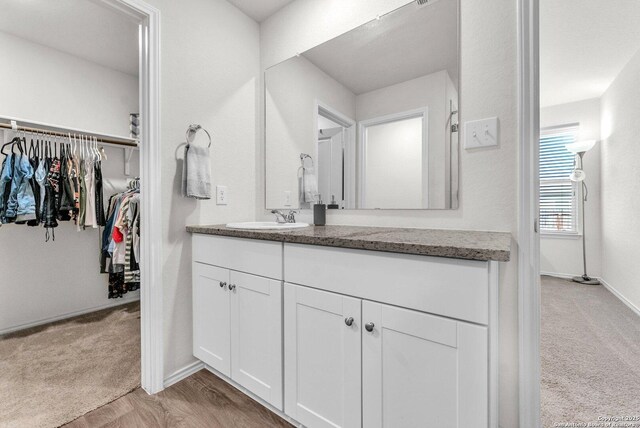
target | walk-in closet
x=70, y=209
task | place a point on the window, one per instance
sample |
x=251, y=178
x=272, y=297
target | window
x=558, y=202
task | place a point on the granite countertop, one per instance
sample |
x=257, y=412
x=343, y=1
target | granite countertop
x=458, y=244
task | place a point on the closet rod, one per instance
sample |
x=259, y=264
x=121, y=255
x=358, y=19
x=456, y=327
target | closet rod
x=35, y=128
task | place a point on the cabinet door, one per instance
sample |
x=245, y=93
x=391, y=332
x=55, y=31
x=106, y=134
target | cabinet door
x=256, y=335
x=322, y=358
x=421, y=370
x=211, y=336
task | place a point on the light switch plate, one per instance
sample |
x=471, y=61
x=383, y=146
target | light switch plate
x=481, y=133
x=222, y=195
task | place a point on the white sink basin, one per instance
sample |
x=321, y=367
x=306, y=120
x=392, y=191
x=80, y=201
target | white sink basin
x=256, y=225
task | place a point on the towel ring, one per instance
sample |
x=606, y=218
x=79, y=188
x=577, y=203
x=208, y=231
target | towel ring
x=193, y=129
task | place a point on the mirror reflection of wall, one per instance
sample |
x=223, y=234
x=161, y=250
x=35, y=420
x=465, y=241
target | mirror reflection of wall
x=396, y=144
x=379, y=126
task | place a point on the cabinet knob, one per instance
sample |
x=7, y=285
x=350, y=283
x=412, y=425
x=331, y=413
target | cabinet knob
x=222, y=284
x=348, y=321
x=369, y=326
x=232, y=287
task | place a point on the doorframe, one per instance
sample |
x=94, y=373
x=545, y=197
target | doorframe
x=349, y=145
x=151, y=291
x=528, y=236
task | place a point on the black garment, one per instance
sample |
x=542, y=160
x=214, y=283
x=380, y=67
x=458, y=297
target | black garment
x=117, y=286
x=67, y=204
x=52, y=189
x=35, y=187
x=100, y=216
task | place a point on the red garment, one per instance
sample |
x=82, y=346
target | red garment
x=117, y=235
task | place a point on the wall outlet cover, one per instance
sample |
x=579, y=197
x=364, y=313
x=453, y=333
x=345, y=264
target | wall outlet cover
x=222, y=195
x=287, y=198
x=481, y=133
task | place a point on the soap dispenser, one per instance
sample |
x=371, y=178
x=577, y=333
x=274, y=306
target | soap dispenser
x=333, y=205
x=319, y=213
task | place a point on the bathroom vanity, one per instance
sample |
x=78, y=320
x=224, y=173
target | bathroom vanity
x=341, y=326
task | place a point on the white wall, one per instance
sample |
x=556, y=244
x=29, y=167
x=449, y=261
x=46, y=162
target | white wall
x=42, y=280
x=427, y=91
x=488, y=180
x=561, y=254
x=294, y=88
x=620, y=151
x=46, y=85
x=209, y=75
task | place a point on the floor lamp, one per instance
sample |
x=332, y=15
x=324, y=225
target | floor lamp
x=578, y=175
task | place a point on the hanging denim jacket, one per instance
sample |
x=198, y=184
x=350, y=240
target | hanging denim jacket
x=6, y=173
x=22, y=205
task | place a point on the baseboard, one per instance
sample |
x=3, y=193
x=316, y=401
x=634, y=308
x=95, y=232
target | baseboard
x=112, y=304
x=561, y=275
x=623, y=299
x=183, y=373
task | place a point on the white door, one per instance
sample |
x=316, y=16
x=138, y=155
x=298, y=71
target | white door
x=322, y=358
x=211, y=335
x=421, y=370
x=256, y=335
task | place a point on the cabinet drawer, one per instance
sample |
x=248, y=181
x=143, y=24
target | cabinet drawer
x=449, y=287
x=257, y=257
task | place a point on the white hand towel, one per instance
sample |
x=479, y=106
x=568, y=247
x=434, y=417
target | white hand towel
x=310, y=185
x=196, y=174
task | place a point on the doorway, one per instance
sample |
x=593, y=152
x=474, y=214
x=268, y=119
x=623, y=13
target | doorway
x=579, y=322
x=149, y=331
x=336, y=149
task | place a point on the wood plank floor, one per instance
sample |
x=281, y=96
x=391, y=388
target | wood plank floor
x=201, y=400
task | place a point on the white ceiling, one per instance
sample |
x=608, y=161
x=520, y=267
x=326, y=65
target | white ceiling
x=584, y=44
x=84, y=28
x=411, y=42
x=260, y=9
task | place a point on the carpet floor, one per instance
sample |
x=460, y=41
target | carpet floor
x=52, y=374
x=590, y=354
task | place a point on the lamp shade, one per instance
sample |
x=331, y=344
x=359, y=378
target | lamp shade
x=581, y=146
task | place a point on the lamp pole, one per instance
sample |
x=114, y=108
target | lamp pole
x=585, y=278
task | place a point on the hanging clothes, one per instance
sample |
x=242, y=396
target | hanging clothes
x=34, y=155
x=100, y=216
x=120, y=247
x=50, y=182
x=18, y=201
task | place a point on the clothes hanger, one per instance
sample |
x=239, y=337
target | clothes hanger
x=7, y=144
x=94, y=145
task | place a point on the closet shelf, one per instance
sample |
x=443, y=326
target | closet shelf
x=60, y=131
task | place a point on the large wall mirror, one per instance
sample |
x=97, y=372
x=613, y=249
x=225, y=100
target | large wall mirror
x=368, y=120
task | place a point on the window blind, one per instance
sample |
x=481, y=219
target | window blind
x=558, y=208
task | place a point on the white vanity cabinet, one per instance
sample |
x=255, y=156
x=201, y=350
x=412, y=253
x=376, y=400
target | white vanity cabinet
x=348, y=338
x=237, y=316
x=422, y=370
x=322, y=358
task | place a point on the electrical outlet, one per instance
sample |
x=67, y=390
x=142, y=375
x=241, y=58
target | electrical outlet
x=287, y=198
x=481, y=133
x=222, y=195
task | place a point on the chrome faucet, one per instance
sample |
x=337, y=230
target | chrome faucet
x=282, y=218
